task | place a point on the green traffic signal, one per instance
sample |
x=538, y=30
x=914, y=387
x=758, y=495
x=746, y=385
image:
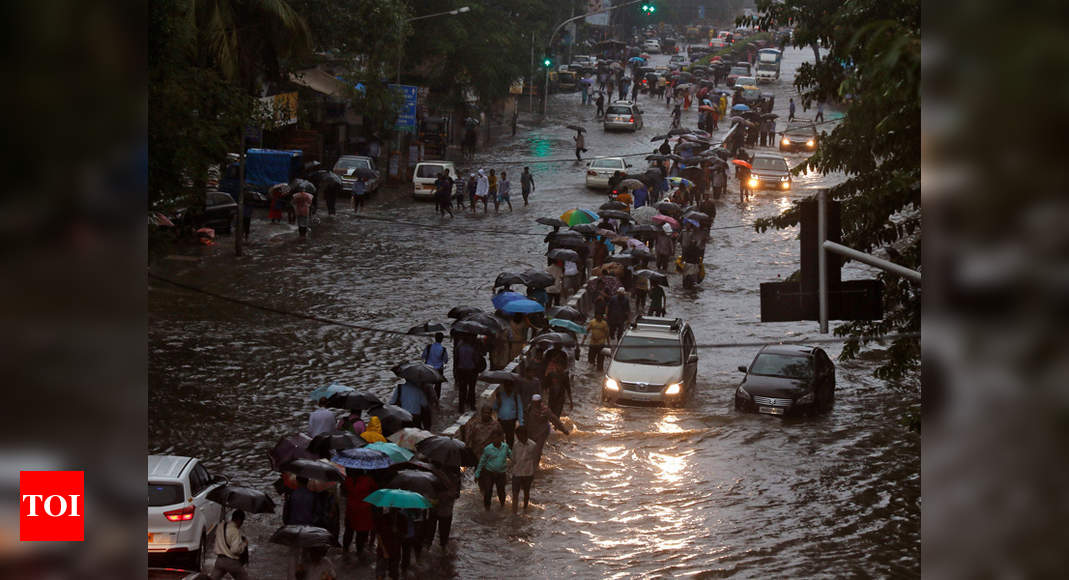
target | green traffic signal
x=547, y=62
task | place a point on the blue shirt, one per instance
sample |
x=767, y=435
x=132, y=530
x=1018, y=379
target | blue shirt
x=435, y=355
x=358, y=187
x=641, y=195
x=508, y=407
x=410, y=397
x=467, y=356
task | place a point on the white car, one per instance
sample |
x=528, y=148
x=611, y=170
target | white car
x=425, y=174
x=599, y=171
x=652, y=46
x=656, y=361
x=678, y=61
x=180, y=516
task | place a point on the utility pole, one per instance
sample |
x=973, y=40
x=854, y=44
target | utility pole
x=240, y=217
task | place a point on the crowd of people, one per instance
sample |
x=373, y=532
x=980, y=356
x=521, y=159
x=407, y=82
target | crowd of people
x=482, y=187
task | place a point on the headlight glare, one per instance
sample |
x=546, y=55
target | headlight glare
x=810, y=143
x=673, y=389
x=786, y=141
x=611, y=384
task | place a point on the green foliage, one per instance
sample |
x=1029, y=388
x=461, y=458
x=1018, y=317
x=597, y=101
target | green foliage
x=872, y=67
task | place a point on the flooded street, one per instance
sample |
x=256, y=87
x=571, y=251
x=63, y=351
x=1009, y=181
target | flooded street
x=633, y=491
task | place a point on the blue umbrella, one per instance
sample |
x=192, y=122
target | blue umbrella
x=523, y=306
x=637, y=59
x=740, y=107
x=503, y=298
x=329, y=391
x=362, y=458
x=395, y=452
x=567, y=325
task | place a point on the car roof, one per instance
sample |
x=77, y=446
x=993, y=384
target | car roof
x=789, y=349
x=768, y=156
x=167, y=466
x=653, y=333
x=433, y=162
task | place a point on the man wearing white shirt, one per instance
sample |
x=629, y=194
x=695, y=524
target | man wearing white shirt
x=229, y=545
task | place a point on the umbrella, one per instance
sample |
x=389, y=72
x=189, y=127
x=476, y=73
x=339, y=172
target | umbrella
x=242, y=498
x=641, y=252
x=392, y=417
x=636, y=59
x=446, y=451
x=578, y=243
x=628, y=184
x=472, y=327
x=418, y=373
x=643, y=230
x=567, y=325
x=720, y=152
x=362, y=458
x=677, y=181
x=313, y=469
x=691, y=222
x=395, y=452
x=397, y=498
x=644, y=214
x=742, y=163
x=563, y=254
x=769, y=116
x=707, y=108
x=459, y=312
x=669, y=208
x=621, y=258
x=578, y=216
x=428, y=329
x=303, y=537
x=575, y=128
x=663, y=219
x=499, y=377
x=327, y=442
x=289, y=448
x=552, y=222
x=536, y=279
x=487, y=320
x=752, y=115
x=653, y=276
x=502, y=298
x=613, y=205
x=507, y=279
x=327, y=391
x=355, y=402
x=740, y=107
x=567, y=313
x=409, y=436
x=623, y=240
x=524, y=306
x=586, y=81
x=683, y=86
x=555, y=237
x=586, y=229
x=424, y=483
x=616, y=214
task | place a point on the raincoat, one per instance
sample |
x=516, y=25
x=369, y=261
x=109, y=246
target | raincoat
x=373, y=433
x=357, y=511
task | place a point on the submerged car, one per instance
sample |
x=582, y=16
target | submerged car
x=180, y=516
x=623, y=115
x=347, y=166
x=800, y=134
x=769, y=172
x=599, y=171
x=656, y=361
x=787, y=380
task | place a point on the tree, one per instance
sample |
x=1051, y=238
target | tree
x=872, y=66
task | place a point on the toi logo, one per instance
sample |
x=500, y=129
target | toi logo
x=51, y=506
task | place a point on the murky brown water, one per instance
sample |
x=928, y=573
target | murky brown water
x=633, y=492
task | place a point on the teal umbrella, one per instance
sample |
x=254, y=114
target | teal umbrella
x=567, y=325
x=395, y=452
x=397, y=498
x=329, y=391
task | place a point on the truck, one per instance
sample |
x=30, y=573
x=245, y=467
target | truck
x=263, y=168
x=768, y=64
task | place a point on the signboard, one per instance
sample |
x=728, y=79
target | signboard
x=406, y=116
x=601, y=19
x=701, y=12
x=280, y=109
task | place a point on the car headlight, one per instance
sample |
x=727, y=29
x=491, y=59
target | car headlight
x=805, y=399
x=611, y=384
x=810, y=143
x=673, y=389
x=753, y=182
x=786, y=185
x=786, y=141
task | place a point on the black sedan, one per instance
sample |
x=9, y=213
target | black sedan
x=787, y=380
x=218, y=212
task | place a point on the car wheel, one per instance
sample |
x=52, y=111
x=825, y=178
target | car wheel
x=195, y=560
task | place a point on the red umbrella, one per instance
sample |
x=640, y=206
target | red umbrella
x=663, y=219
x=742, y=163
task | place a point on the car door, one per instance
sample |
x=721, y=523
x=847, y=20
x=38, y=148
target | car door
x=200, y=483
x=690, y=359
x=827, y=376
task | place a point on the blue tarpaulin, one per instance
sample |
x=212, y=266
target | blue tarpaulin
x=266, y=167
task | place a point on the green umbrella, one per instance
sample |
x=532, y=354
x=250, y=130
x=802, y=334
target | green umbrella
x=397, y=498
x=395, y=452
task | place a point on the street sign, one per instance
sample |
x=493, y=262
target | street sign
x=406, y=116
x=701, y=12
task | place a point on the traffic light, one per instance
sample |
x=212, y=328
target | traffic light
x=648, y=9
x=547, y=62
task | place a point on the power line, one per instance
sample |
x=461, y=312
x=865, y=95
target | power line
x=426, y=225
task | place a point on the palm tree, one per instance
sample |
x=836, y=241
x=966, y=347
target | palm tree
x=246, y=39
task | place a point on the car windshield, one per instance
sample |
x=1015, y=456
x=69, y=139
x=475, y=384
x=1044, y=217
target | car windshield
x=649, y=351
x=781, y=365
x=352, y=162
x=801, y=128
x=161, y=494
x=751, y=94
x=738, y=70
x=770, y=163
x=608, y=164
x=619, y=111
x=431, y=171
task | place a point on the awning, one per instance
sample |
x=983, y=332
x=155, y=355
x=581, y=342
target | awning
x=319, y=81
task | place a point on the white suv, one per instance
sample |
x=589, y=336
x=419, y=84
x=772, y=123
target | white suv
x=180, y=515
x=656, y=361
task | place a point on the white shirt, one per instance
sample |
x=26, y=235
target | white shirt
x=321, y=421
x=570, y=269
x=482, y=186
x=231, y=543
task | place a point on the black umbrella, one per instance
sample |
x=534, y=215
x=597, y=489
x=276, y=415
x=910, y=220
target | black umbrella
x=487, y=320
x=563, y=254
x=575, y=128
x=578, y=243
x=586, y=229
x=421, y=482
x=459, y=312
x=289, y=448
x=644, y=230
x=770, y=116
x=393, y=418
x=471, y=327
x=721, y=153
x=303, y=537
x=702, y=218
x=446, y=451
x=615, y=214
x=553, y=338
x=669, y=208
x=242, y=498
x=564, y=235
x=552, y=222
x=536, y=279
x=499, y=377
x=507, y=279
x=654, y=277
x=625, y=259
x=427, y=328
x=418, y=373
x=566, y=313
x=639, y=253
x=354, y=401
x=680, y=131
x=313, y=469
x=612, y=205
x=324, y=443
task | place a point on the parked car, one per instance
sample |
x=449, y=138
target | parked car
x=347, y=166
x=600, y=170
x=180, y=516
x=787, y=380
x=623, y=115
x=800, y=134
x=769, y=172
x=655, y=361
x=425, y=174
x=218, y=213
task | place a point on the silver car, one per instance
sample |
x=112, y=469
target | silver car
x=346, y=167
x=656, y=361
x=599, y=171
x=623, y=115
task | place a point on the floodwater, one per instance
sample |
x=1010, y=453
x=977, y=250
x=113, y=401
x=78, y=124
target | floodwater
x=634, y=491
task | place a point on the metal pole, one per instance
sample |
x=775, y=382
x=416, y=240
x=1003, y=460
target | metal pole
x=872, y=260
x=822, y=259
x=240, y=218
x=530, y=80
